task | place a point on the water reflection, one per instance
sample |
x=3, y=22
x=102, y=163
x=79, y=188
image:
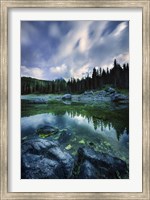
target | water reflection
x=102, y=123
x=106, y=130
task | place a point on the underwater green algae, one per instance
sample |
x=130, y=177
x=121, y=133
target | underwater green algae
x=103, y=115
x=68, y=147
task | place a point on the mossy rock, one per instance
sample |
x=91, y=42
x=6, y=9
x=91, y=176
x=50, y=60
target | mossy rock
x=47, y=131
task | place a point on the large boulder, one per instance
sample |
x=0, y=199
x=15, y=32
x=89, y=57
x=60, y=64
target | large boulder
x=87, y=171
x=102, y=93
x=110, y=90
x=88, y=93
x=67, y=97
x=119, y=98
x=100, y=165
x=43, y=159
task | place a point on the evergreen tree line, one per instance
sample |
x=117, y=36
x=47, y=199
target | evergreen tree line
x=117, y=77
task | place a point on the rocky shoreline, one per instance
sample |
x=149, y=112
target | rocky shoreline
x=44, y=159
x=107, y=95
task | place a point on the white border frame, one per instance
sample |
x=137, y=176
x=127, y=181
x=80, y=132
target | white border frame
x=134, y=183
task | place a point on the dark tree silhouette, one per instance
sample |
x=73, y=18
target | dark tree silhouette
x=117, y=77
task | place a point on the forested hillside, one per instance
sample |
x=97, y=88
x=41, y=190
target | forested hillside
x=117, y=77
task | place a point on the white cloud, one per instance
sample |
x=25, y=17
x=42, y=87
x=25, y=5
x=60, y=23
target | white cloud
x=109, y=66
x=25, y=39
x=34, y=72
x=79, y=32
x=25, y=71
x=54, y=30
x=120, y=28
x=28, y=32
x=75, y=46
x=37, y=72
x=58, y=69
x=83, y=47
x=122, y=58
x=80, y=72
x=61, y=71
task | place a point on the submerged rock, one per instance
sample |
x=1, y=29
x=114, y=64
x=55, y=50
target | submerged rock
x=43, y=159
x=67, y=97
x=65, y=136
x=47, y=131
x=91, y=144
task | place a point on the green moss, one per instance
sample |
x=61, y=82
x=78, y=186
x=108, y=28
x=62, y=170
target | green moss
x=74, y=139
x=97, y=112
x=44, y=135
x=74, y=153
x=54, y=101
x=107, y=144
x=56, y=138
x=82, y=142
x=68, y=147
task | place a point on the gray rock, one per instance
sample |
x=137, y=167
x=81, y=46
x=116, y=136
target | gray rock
x=37, y=145
x=43, y=159
x=119, y=97
x=38, y=167
x=88, y=93
x=67, y=97
x=106, y=166
x=102, y=93
x=36, y=100
x=110, y=90
x=65, y=137
x=87, y=171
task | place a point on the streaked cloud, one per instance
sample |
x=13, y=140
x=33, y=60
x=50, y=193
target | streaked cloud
x=34, y=72
x=120, y=28
x=54, y=31
x=27, y=33
x=72, y=48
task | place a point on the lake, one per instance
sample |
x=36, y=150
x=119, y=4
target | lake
x=104, y=127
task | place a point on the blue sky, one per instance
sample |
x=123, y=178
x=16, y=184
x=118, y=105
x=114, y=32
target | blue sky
x=65, y=49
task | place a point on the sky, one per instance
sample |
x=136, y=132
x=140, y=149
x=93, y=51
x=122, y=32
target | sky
x=63, y=49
